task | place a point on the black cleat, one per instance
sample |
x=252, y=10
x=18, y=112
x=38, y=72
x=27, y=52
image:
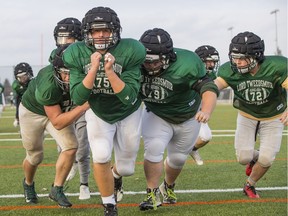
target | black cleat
x=30, y=193
x=56, y=194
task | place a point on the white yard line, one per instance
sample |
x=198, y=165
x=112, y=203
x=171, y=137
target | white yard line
x=144, y=192
x=228, y=133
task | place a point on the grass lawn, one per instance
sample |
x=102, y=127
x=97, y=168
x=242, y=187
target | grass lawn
x=212, y=189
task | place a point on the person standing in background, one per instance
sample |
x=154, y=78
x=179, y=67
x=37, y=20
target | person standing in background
x=2, y=99
x=23, y=74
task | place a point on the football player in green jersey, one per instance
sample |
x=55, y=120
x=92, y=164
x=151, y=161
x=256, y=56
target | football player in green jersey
x=174, y=83
x=210, y=57
x=260, y=88
x=2, y=99
x=105, y=71
x=68, y=31
x=23, y=74
x=46, y=105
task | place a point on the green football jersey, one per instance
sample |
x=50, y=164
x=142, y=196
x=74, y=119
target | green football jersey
x=169, y=95
x=18, y=88
x=52, y=55
x=107, y=105
x=44, y=91
x=212, y=75
x=261, y=95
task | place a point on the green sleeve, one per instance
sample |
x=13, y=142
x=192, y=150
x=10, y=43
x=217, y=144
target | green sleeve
x=77, y=58
x=81, y=95
x=47, y=92
x=209, y=86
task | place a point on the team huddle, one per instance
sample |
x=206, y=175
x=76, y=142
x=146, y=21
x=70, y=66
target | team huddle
x=101, y=93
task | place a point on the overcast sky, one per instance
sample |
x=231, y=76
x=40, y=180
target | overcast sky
x=27, y=25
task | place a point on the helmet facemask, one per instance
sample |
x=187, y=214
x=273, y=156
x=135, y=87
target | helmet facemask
x=251, y=62
x=59, y=74
x=159, y=51
x=155, y=64
x=103, y=43
x=101, y=19
x=23, y=77
x=67, y=31
x=64, y=38
x=248, y=47
x=23, y=73
x=208, y=54
x=212, y=68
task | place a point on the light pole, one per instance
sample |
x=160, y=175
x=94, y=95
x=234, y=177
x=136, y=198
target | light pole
x=231, y=29
x=278, y=51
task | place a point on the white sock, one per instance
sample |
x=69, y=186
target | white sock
x=251, y=181
x=109, y=199
x=115, y=175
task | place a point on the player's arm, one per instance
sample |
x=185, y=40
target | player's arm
x=116, y=83
x=284, y=118
x=61, y=120
x=208, y=104
x=285, y=84
x=220, y=83
x=209, y=93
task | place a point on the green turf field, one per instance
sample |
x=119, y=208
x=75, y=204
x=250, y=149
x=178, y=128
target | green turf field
x=214, y=189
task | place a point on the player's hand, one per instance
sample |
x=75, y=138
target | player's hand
x=202, y=117
x=108, y=61
x=95, y=61
x=85, y=106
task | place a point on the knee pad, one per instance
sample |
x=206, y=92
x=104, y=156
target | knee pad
x=176, y=161
x=101, y=158
x=244, y=156
x=101, y=155
x=205, y=133
x=154, y=153
x=34, y=157
x=153, y=158
x=206, y=137
x=266, y=158
x=125, y=167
